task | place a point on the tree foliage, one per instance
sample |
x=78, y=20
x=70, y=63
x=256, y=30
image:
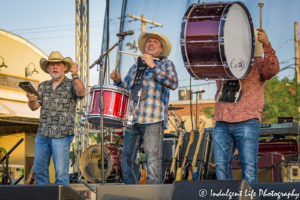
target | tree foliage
x=281, y=99
x=209, y=111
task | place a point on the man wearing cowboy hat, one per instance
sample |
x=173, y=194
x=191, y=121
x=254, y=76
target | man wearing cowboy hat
x=57, y=99
x=238, y=124
x=150, y=82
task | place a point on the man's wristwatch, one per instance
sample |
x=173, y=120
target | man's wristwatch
x=75, y=77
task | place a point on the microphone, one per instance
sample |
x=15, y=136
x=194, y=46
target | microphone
x=202, y=91
x=130, y=32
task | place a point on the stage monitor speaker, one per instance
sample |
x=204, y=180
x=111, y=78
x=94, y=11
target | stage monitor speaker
x=134, y=192
x=211, y=189
x=38, y=192
x=275, y=191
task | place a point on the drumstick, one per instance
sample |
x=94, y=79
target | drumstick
x=78, y=54
x=260, y=4
x=78, y=57
x=118, y=63
x=133, y=54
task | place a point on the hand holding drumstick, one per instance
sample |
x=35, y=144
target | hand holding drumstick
x=75, y=67
x=115, y=76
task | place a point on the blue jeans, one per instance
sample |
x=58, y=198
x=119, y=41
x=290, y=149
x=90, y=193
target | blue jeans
x=152, y=136
x=59, y=149
x=245, y=137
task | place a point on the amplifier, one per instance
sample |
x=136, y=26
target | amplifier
x=267, y=172
x=290, y=172
x=170, y=143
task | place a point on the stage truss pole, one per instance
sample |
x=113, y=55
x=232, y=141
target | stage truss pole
x=82, y=40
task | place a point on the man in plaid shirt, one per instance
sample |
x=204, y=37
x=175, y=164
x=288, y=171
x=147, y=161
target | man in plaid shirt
x=150, y=82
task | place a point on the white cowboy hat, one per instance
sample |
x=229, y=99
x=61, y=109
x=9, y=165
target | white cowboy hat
x=259, y=50
x=55, y=56
x=162, y=38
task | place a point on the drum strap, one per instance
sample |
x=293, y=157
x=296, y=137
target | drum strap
x=231, y=92
x=138, y=81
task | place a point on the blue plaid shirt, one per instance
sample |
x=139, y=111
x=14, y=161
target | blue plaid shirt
x=159, y=80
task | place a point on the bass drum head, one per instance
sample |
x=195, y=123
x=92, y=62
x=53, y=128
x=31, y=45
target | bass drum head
x=90, y=164
x=238, y=41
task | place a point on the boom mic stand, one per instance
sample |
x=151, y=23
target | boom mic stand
x=100, y=62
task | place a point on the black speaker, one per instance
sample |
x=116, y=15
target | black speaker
x=275, y=191
x=170, y=143
x=134, y=192
x=38, y=192
x=209, y=189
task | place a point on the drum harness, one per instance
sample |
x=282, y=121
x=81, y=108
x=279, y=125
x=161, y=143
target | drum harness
x=231, y=92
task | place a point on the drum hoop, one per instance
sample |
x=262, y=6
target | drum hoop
x=221, y=34
x=187, y=58
x=185, y=27
x=110, y=88
x=105, y=116
x=81, y=157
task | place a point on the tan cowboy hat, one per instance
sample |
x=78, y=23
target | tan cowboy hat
x=55, y=56
x=259, y=50
x=162, y=38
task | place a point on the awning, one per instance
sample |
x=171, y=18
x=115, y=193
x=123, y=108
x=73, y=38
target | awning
x=17, y=109
x=3, y=111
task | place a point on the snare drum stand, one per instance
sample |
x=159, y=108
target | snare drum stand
x=100, y=62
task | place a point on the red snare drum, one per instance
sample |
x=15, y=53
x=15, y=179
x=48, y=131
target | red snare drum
x=90, y=162
x=217, y=40
x=116, y=105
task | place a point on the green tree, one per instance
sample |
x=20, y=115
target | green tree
x=281, y=100
x=209, y=111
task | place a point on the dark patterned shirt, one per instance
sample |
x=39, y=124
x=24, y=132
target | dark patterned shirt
x=57, y=109
x=252, y=100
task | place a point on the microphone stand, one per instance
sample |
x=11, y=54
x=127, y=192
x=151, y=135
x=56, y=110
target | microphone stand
x=7, y=158
x=100, y=62
x=198, y=92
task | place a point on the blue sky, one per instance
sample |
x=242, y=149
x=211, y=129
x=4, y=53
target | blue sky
x=50, y=25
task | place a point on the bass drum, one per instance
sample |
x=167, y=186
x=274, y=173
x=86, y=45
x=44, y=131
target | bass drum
x=217, y=40
x=90, y=163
